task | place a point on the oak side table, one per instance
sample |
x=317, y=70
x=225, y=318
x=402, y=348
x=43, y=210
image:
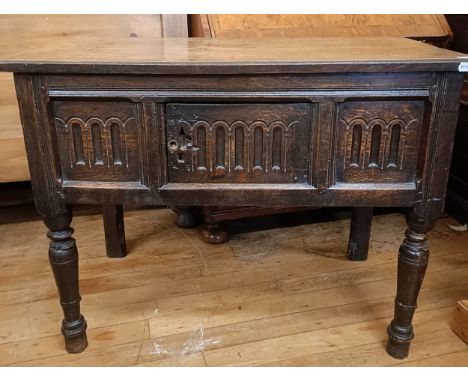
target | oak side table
x=361, y=122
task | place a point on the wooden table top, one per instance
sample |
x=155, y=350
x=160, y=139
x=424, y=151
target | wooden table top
x=223, y=56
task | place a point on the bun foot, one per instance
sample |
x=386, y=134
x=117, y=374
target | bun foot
x=213, y=234
x=75, y=337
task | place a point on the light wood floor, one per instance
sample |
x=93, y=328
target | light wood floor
x=285, y=296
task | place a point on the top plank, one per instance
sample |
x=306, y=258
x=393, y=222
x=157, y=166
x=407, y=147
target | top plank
x=224, y=56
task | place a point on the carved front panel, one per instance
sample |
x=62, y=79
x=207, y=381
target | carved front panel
x=98, y=140
x=251, y=143
x=378, y=141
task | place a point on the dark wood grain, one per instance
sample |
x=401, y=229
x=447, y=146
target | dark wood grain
x=114, y=230
x=63, y=257
x=359, y=233
x=414, y=252
x=238, y=143
x=229, y=125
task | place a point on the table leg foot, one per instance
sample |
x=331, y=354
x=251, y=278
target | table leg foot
x=74, y=334
x=398, y=344
x=213, y=234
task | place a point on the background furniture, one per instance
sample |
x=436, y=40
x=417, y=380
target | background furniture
x=459, y=323
x=457, y=193
x=433, y=29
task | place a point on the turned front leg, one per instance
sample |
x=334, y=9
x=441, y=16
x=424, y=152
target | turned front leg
x=412, y=263
x=63, y=256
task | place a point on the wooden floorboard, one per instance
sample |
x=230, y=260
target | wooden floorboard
x=278, y=297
